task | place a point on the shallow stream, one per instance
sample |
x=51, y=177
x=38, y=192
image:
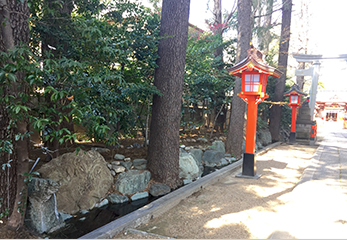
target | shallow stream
x=82, y=224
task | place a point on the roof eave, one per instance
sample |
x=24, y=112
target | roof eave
x=241, y=66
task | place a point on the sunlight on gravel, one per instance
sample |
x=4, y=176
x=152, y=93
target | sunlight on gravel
x=278, y=179
x=237, y=208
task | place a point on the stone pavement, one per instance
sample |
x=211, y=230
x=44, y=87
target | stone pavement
x=318, y=209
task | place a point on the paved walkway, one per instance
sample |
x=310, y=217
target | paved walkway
x=319, y=202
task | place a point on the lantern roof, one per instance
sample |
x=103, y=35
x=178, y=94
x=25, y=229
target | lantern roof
x=254, y=61
x=295, y=90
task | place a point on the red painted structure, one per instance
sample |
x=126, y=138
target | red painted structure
x=294, y=102
x=332, y=106
x=254, y=73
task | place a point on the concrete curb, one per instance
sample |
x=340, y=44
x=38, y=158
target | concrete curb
x=163, y=204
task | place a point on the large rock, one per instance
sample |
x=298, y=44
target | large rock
x=197, y=153
x=264, y=137
x=139, y=195
x=119, y=157
x=218, y=146
x=140, y=163
x=42, y=215
x=127, y=165
x=159, y=189
x=132, y=181
x=83, y=179
x=212, y=158
x=188, y=167
x=117, y=198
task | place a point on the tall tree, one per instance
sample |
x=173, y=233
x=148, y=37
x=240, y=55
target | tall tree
x=217, y=14
x=237, y=120
x=14, y=30
x=7, y=172
x=218, y=27
x=218, y=54
x=163, y=151
x=276, y=110
x=264, y=33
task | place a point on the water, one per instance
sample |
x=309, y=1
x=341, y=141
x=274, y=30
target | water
x=82, y=224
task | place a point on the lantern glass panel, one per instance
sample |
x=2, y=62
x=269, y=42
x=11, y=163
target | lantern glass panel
x=294, y=99
x=252, y=82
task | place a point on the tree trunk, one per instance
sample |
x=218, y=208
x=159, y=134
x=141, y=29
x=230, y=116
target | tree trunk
x=163, y=151
x=14, y=30
x=237, y=119
x=218, y=53
x=265, y=37
x=22, y=153
x=276, y=110
x=7, y=176
x=217, y=13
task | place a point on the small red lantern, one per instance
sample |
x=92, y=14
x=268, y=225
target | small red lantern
x=294, y=102
x=294, y=99
x=254, y=72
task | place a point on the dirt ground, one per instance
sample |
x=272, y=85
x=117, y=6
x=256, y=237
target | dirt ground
x=234, y=208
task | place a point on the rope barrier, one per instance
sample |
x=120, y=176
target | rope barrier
x=276, y=103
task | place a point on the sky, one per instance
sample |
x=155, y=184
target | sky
x=327, y=33
x=328, y=20
x=328, y=26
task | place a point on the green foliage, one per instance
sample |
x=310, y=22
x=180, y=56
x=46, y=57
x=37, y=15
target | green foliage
x=22, y=203
x=261, y=124
x=6, y=146
x=89, y=67
x=105, y=60
x=92, y=64
x=205, y=81
x=29, y=176
x=6, y=212
x=6, y=165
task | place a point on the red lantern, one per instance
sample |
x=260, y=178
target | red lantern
x=294, y=102
x=294, y=99
x=253, y=72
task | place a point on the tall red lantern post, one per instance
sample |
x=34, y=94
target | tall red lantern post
x=254, y=73
x=294, y=102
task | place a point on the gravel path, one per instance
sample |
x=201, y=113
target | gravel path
x=234, y=208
